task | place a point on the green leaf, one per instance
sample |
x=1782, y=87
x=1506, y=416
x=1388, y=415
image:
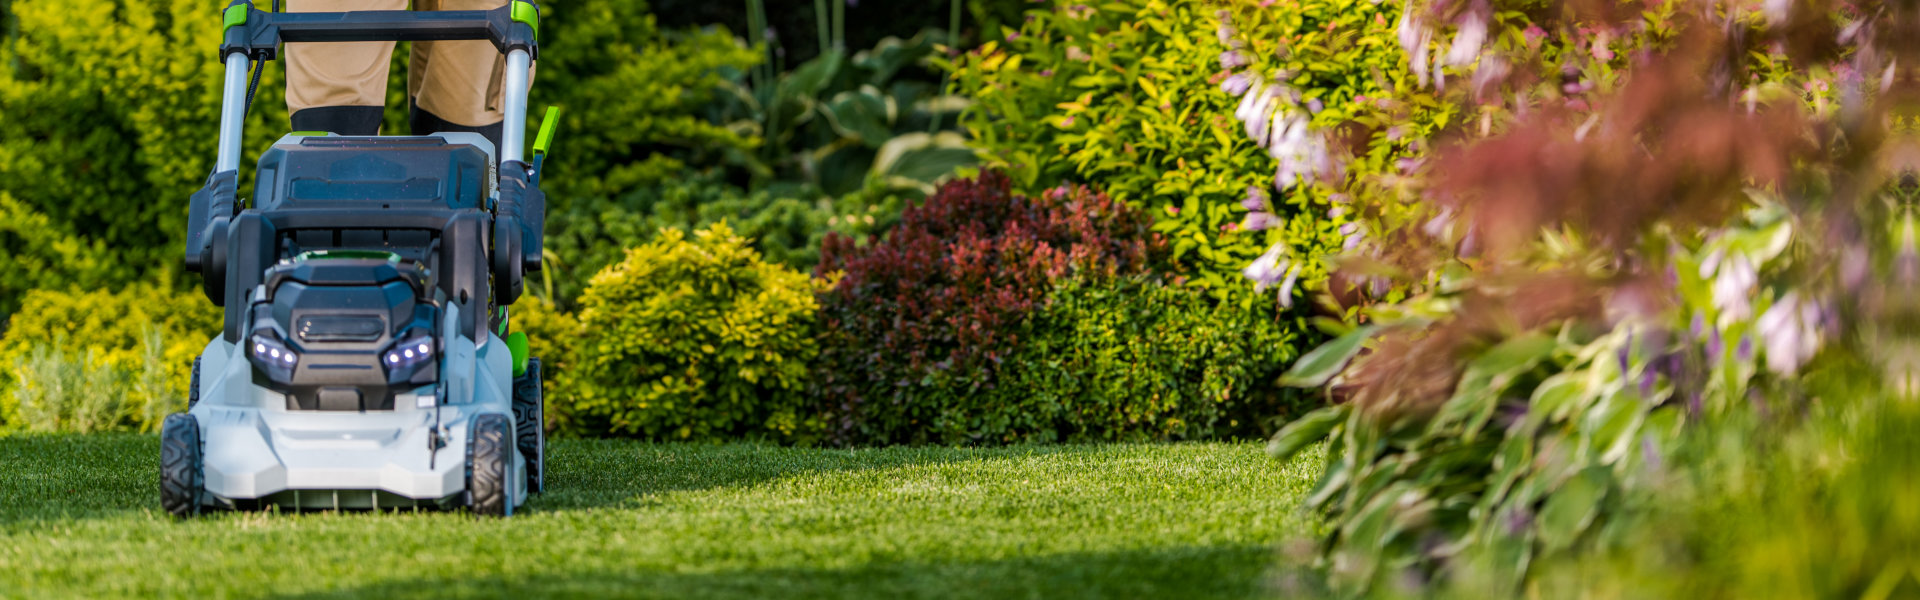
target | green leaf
x=860, y=115
x=1306, y=430
x=1320, y=365
x=1573, y=507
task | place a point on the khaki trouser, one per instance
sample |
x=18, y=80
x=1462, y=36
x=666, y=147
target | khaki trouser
x=458, y=81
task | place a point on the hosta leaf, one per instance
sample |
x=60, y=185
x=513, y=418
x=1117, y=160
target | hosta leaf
x=1573, y=507
x=1305, y=430
x=1486, y=380
x=1320, y=365
x=860, y=115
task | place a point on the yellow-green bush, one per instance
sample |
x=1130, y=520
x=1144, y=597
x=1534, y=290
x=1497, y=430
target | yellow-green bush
x=62, y=348
x=692, y=339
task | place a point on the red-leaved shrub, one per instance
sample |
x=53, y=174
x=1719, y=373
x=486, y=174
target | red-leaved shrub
x=927, y=314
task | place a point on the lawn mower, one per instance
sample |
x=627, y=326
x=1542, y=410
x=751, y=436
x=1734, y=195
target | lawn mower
x=366, y=359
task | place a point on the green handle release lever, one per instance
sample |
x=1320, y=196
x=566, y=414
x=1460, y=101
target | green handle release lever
x=544, y=140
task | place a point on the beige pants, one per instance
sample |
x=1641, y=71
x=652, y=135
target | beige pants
x=458, y=81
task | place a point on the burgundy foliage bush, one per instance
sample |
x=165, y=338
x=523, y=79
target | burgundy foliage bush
x=935, y=307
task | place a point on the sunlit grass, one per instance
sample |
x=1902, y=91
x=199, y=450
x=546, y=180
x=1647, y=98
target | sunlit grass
x=79, y=517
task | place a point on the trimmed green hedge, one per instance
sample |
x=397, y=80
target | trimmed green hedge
x=691, y=339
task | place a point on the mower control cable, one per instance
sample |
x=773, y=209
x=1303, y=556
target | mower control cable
x=258, y=66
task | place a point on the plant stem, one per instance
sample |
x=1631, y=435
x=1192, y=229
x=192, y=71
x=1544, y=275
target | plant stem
x=840, y=25
x=820, y=18
x=952, y=41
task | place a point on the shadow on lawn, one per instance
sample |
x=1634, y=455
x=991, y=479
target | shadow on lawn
x=1177, y=572
x=57, y=477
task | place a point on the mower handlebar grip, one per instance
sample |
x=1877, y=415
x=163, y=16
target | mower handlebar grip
x=258, y=34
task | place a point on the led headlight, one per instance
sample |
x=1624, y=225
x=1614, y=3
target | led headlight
x=270, y=355
x=408, y=353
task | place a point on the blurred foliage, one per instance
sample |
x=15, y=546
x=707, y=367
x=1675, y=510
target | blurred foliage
x=839, y=122
x=1743, y=507
x=141, y=340
x=1611, y=282
x=1124, y=95
x=635, y=97
x=692, y=339
x=793, y=23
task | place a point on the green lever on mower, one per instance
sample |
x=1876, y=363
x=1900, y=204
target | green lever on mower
x=544, y=140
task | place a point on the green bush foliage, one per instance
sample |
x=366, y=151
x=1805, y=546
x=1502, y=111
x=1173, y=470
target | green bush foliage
x=111, y=110
x=692, y=339
x=141, y=340
x=1134, y=359
x=1123, y=95
x=634, y=97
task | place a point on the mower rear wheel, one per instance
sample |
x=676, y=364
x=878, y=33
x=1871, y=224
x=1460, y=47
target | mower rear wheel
x=529, y=424
x=489, y=460
x=182, y=480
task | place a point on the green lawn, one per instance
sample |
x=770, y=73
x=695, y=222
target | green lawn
x=79, y=517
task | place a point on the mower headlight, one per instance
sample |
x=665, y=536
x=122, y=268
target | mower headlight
x=270, y=355
x=408, y=353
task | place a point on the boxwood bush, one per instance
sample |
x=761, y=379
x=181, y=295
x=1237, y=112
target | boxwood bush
x=1136, y=359
x=691, y=339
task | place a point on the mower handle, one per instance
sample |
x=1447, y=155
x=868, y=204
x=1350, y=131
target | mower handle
x=259, y=34
x=251, y=34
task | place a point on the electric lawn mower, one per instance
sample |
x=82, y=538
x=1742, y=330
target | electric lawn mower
x=366, y=360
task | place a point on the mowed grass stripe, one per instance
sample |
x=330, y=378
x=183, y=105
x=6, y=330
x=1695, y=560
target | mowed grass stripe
x=80, y=518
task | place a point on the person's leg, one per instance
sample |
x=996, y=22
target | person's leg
x=338, y=87
x=457, y=85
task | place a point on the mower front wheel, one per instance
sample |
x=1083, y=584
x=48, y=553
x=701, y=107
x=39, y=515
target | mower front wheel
x=489, y=460
x=182, y=480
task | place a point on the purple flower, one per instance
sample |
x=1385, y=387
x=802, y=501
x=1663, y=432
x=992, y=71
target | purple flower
x=1269, y=269
x=1732, y=285
x=1791, y=330
x=1236, y=84
x=1257, y=221
x=1256, y=199
x=1233, y=59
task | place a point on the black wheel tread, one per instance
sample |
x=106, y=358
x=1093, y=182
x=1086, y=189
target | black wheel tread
x=487, y=466
x=181, y=479
x=529, y=418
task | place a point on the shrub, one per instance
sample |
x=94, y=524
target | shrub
x=923, y=319
x=1131, y=359
x=143, y=338
x=1124, y=95
x=693, y=340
